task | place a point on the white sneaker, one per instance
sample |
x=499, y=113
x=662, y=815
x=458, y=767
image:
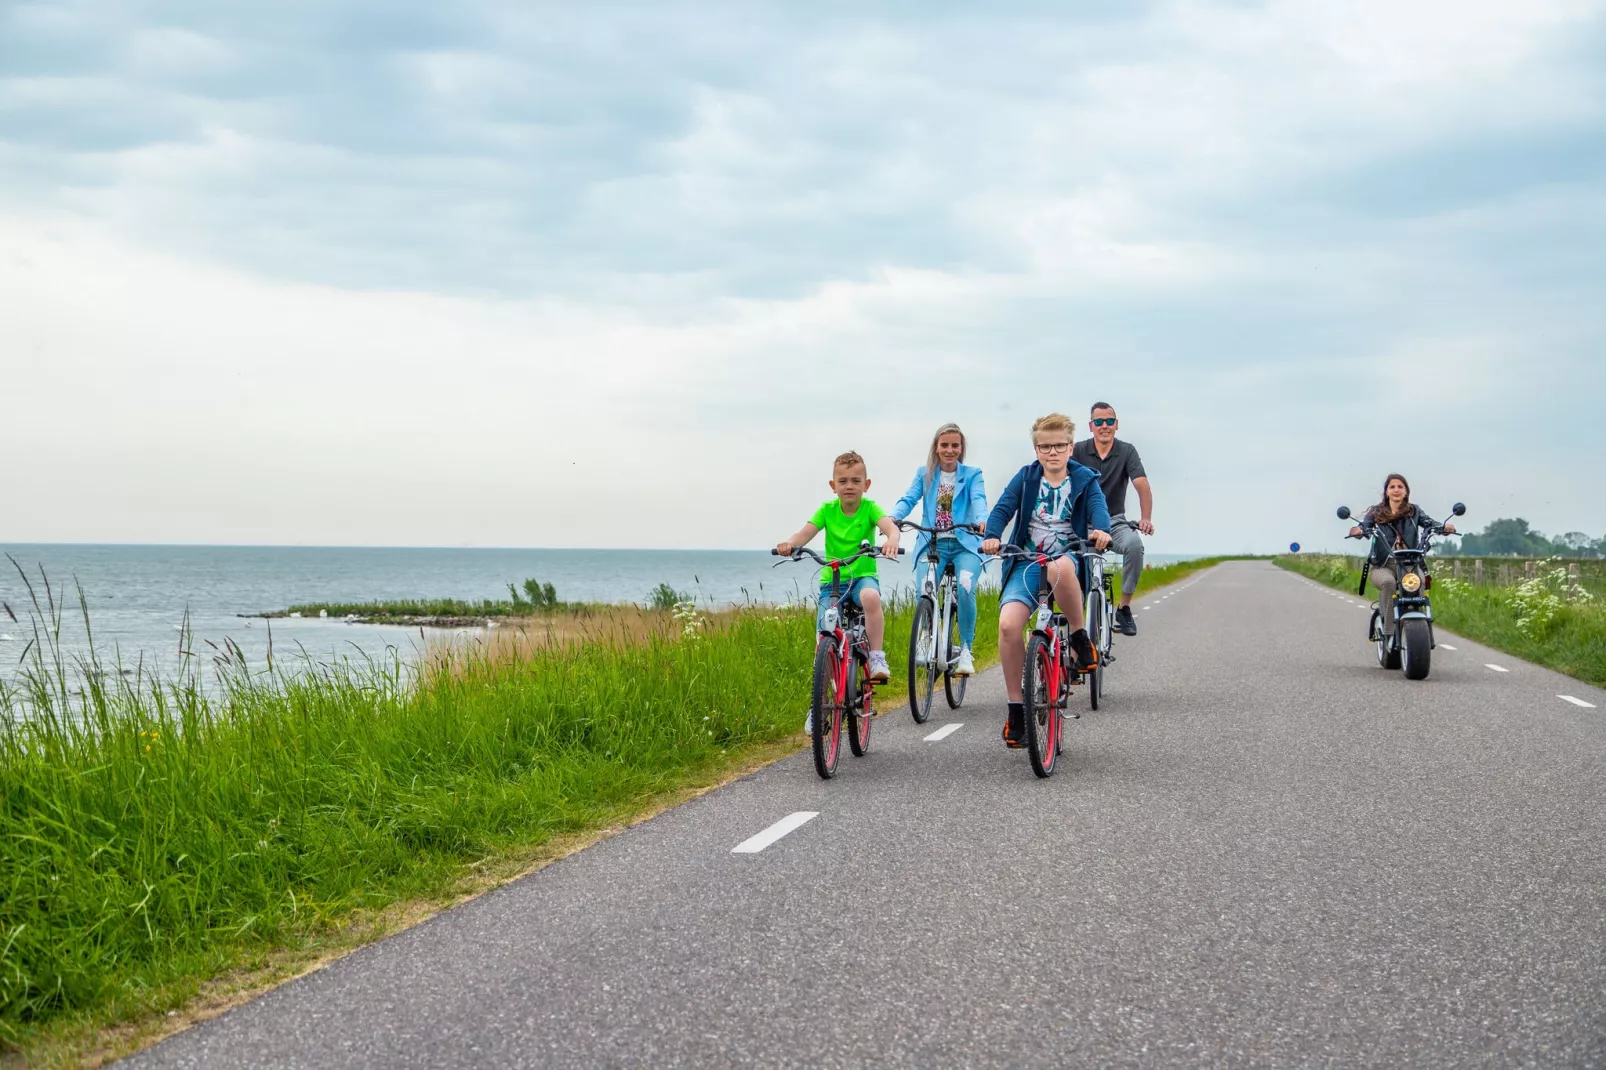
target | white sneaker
x=879, y=672
x=967, y=664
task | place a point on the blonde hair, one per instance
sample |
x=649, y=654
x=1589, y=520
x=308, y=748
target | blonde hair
x=931, y=457
x=1054, y=421
x=848, y=460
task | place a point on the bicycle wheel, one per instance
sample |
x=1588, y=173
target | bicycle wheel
x=1096, y=633
x=922, y=653
x=1042, y=719
x=825, y=711
x=856, y=710
x=953, y=686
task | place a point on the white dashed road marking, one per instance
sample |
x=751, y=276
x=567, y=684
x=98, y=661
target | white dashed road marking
x=1496, y=668
x=944, y=732
x=1577, y=701
x=1446, y=646
x=788, y=824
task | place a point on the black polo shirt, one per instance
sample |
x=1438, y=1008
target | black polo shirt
x=1115, y=471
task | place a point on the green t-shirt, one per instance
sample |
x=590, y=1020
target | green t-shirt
x=844, y=533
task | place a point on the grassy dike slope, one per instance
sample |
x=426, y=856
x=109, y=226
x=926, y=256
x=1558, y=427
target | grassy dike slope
x=1542, y=622
x=163, y=854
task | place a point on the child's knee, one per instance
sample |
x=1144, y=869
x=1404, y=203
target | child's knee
x=967, y=580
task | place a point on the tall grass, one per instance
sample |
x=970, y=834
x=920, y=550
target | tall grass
x=154, y=833
x=1529, y=621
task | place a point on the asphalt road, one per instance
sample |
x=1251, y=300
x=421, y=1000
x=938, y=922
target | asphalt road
x=1262, y=851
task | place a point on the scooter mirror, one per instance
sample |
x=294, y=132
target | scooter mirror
x=1458, y=509
x=1343, y=512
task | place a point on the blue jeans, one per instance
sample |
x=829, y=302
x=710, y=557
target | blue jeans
x=1022, y=584
x=851, y=590
x=967, y=570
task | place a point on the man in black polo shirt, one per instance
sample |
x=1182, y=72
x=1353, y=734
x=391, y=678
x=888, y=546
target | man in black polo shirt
x=1117, y=463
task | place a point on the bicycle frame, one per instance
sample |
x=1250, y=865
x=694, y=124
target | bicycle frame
x=851, y=645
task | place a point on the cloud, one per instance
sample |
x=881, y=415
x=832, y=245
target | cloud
x=335, y=232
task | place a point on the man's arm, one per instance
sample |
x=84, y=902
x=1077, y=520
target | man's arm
x=1145, y=503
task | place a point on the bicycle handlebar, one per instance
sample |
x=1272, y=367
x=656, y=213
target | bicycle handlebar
x=800, y=552
x=974, y=529
x=1080, y=550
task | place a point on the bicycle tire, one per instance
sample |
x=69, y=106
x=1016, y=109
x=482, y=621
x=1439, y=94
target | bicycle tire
x=1095, y=635
x=856, y=711
x=953, y=686
x=1042, y=719
x=922, y=678
x=825, y=711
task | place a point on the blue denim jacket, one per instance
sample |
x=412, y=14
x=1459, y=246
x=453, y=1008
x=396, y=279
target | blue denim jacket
x=970, y=506
x=1089, y=511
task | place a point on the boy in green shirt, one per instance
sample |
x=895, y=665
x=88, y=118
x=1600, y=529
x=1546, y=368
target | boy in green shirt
x=848, y=521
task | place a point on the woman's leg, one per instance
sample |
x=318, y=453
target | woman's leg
x=967, y=573
x=1384, y=580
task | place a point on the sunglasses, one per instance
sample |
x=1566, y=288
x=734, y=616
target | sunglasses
x=1102, y=422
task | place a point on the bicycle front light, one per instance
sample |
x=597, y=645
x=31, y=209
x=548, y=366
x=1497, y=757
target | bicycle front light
x=1411, y=583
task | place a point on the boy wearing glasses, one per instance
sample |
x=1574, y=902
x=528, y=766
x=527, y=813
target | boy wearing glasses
x=1117, y=463
x=1049, y=500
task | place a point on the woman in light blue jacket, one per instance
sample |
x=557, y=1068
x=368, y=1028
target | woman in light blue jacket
x=950, y=493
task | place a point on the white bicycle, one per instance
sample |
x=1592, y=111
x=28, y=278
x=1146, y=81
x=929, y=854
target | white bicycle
x=934, y=641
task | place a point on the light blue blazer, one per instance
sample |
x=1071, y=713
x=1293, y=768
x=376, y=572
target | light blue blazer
x=970, y=506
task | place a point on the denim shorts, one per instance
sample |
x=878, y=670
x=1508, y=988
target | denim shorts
x=1022, y=585
x=850, y=596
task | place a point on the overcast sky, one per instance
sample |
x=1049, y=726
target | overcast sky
x=613, y=274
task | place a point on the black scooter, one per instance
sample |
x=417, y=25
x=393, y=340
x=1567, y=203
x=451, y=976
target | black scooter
x=1411, y=645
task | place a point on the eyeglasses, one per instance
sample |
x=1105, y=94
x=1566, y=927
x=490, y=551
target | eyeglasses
x=1053, y=447
x=1103, y=422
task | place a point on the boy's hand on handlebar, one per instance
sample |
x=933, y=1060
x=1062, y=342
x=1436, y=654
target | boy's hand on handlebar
x=890, y=547
x=989, y=546
x=784, y=549
x=1100, y=539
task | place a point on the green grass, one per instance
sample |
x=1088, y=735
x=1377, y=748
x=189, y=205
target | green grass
x=1572, y=640
x=156, y=834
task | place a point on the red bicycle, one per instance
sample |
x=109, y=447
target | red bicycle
x=842, y=687
x=1049, y=671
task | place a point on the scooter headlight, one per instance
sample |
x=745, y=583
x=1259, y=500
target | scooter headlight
x=1411, y=583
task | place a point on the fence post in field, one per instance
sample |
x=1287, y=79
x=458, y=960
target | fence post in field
x=1477, y=572
x=1575, y=579
x=1455, y=568
x=1530, y=569
x=1505, y=573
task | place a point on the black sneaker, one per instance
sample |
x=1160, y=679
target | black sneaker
x=1082, y=646
x=1015, y=727
x=1124, y=622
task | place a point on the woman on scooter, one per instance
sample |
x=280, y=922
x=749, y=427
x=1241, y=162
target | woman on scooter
x=1394, y=523
x=950, y=493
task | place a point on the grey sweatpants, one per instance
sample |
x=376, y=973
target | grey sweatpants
x=1125, y=540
